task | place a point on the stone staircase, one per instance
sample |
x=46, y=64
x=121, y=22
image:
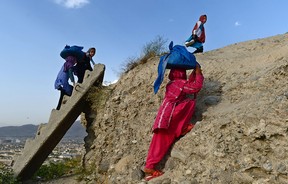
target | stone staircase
x=49, y=135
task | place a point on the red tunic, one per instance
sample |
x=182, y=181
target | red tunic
x=176, y=100
x=199, y=29
x=174, y=114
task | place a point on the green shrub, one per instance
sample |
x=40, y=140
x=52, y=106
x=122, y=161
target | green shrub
x=6, y=175
x=57, y=169
x=50, y=171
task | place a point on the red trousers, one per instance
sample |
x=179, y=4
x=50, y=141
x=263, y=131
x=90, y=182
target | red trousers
x=163, y=139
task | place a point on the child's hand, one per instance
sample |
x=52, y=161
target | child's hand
x=198, y=69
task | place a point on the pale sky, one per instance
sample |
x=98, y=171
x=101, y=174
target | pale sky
x=33, y=33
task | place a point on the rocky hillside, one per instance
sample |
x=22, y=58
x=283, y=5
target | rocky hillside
x=241, y=132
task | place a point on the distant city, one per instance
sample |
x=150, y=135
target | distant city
x=11, y=147
x=13, y=139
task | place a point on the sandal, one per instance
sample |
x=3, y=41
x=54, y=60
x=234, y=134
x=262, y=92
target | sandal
x=152, y=175
x=187, y=129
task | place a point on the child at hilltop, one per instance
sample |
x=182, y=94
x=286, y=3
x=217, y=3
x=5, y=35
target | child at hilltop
x=197, y=38
x=173, y=117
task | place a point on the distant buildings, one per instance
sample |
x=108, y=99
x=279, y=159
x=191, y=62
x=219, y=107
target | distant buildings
x=10, y=148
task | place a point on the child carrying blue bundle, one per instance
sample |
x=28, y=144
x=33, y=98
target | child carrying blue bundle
x=179, y=57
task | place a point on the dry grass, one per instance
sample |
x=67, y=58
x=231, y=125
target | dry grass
x=151, y=49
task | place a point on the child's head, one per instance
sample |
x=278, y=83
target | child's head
x=203, y=18
x=91, y=52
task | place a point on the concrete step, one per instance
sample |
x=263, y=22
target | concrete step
x=49, y=135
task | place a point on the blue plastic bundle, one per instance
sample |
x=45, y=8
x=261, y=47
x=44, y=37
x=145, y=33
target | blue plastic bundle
x=75, y=51
x=179, y=57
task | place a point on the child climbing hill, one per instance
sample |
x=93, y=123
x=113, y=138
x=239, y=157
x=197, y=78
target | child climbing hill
x=198, y=36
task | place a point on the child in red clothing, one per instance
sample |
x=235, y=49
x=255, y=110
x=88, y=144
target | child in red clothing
x=174, y=115
x=198, y=36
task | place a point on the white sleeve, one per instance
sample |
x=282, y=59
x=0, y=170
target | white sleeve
x=198, y=30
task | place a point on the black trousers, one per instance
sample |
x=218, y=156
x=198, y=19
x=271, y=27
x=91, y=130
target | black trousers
x=198, y=50
x=80, y=69
x=62, y=93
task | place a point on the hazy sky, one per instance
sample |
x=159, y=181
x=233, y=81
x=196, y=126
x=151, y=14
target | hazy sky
x=33, y=32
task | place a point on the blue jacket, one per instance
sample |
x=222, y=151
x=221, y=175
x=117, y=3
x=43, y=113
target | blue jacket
x=61, y=82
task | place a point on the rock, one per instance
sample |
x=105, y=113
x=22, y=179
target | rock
x=268, y=166
x=137, y=174
x=179, y=155
x=281, y=168
x=103, y=167
x=123, y=164
x=211, y=100
x=188, y=172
